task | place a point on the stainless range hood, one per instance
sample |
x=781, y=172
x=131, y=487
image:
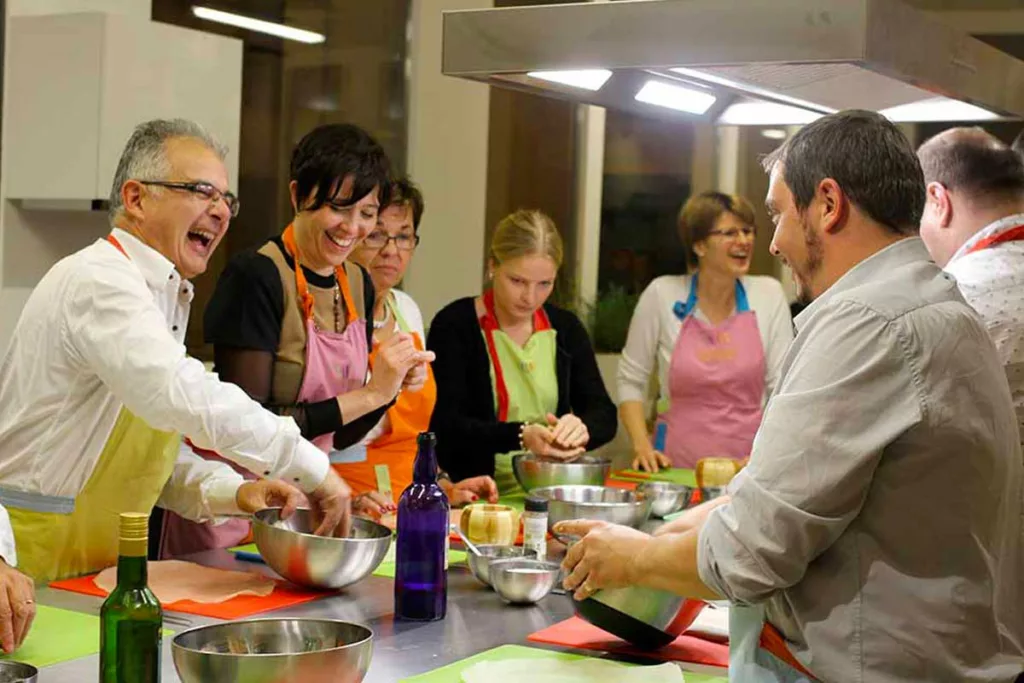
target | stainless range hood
x=739, y=61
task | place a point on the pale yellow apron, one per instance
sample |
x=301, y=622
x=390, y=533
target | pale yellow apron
x=57, y=537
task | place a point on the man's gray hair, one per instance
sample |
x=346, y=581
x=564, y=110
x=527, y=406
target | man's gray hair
x=145, y=155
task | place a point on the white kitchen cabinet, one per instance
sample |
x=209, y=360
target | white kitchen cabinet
x=79, y=83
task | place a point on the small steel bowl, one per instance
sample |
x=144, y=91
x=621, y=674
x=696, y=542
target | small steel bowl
x=17, y=672
x=605, y=503
x=523, y=582
x=534, y=473
x=284, y=650
x=480, y=564
x=290, y=549
x=666, y=497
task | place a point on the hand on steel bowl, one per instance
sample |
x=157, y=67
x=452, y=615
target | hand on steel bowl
x=602, y=558
x=332, y=502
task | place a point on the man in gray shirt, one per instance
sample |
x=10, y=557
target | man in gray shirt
x=876, y=534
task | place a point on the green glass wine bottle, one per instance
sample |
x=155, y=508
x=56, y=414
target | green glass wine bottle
x=131, y=617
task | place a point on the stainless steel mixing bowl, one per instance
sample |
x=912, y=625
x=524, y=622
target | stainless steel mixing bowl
x=480, y=564
x=16, y=672
x=618, y=506
x=644, y=617
x=523, y=581
x=534, y=473
x=290, y=548
x=285, y=650
x=666, y=497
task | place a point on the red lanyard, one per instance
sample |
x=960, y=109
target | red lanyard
x=1012, y=235
x=489, y=323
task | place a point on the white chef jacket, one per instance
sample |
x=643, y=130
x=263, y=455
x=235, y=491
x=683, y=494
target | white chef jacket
x=992, y=281
x=101, y=332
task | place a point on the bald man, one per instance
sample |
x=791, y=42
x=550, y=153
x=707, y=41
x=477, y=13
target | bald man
x=973, y=225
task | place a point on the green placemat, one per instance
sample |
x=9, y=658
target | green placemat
x=453, y=672
x=514, y=500
x=251, y=548
x=676, y=475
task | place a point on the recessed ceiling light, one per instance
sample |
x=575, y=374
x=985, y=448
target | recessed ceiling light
x=589, y=79
x=279, y=30
x=766, y=114
x=937, y=109
x=676, y=97
x=774, y=133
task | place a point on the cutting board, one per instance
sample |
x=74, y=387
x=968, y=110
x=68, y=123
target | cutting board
x=284, y=595
x=58, y=635
x=579, y=634
x=453, y=672
x=675, y=475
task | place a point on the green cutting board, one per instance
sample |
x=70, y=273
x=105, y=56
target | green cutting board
x=676, y=475
x=453, y=672
x=58, y=635
x=386, y=568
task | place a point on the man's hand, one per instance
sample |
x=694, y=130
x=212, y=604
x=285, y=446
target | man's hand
x=17, y=607
x=540, y=441
x=373, y=503
x=604, y=558
x=254, y=496
x=471, y=490
x=333, y=500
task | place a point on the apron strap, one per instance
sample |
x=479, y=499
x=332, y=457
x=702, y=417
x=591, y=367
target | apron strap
x=400, y=320
x=682, y=310
x=117, y=245
x=302, y=286
x=1014, y=234
x=773, y=642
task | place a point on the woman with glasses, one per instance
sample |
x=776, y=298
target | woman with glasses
x=391, y=445
x=715, y=337
x=514, y=373
x=291, y=322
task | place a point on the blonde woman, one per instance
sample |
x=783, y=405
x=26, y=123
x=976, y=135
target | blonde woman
x=514, y=373
x=715, y=337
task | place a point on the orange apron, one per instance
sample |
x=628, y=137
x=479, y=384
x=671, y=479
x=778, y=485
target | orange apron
x=396, y=449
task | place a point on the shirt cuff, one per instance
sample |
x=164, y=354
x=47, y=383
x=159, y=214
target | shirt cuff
x=222, y=496
x=308, y=468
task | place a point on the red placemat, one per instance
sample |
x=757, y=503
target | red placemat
x=284, y=595
x=580, y=634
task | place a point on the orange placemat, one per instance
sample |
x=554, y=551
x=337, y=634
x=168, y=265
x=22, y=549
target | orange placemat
x=284, y=595
x=580, y=634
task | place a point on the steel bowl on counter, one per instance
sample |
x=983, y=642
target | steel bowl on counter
x=285, y=650
x=630, y=508
x=666, y=497
x=523, y=581
x=289, y=547
x=646, y=618
x=711, y=492
x=534, y=473
x=16, y=672
x=480, y=564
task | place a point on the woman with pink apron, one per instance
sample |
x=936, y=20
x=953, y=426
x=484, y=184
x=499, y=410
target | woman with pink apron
x=716, y=384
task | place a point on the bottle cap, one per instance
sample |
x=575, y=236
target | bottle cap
x=134, y=526
x=534, y=504
x=426, y=439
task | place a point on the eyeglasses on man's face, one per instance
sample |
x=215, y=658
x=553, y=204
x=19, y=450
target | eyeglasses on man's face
x=201, y=188
x=378, y=239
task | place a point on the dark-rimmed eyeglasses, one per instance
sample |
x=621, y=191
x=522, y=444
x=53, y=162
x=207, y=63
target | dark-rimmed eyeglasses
x=205, y=190
x=378, y=239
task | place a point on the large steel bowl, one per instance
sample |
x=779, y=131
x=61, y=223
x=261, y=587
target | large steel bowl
x=593, y=502
x=648, y=619
x=666, y=497
x=290, y=548
x=285, y=650
x=16, y=672
x=534, y=473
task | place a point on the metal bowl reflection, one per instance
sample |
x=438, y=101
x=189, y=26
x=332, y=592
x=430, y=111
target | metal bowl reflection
x=666, y=497
x=290, y=548
x=534, y=473
x=274, y=651
x=523, y=582
x=480, y=564
x=16, y=672
x=608, y=504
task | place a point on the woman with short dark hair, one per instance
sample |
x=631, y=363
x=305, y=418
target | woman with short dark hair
x=716, y=339
x=291, y=322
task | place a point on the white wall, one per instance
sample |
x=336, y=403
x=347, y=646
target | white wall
x=447, y=157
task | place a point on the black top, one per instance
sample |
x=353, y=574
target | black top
x=468, y=432
x=243, y=321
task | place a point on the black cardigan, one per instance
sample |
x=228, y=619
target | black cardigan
x=468, y=432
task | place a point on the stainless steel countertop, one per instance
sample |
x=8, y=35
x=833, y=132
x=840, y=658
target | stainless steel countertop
x=477, y=620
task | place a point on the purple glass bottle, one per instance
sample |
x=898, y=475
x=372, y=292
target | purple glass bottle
x=421, y=582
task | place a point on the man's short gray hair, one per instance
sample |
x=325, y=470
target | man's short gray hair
x=145, y=155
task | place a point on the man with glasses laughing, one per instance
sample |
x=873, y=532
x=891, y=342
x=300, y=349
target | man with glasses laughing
x=97, y=391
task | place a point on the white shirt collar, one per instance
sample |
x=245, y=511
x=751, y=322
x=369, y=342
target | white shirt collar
x=992, y=229
x=154, y=266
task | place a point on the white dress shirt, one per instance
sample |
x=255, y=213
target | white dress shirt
x=101, y=332
x=879, y=521
x=654, y=329
x=992, y=281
